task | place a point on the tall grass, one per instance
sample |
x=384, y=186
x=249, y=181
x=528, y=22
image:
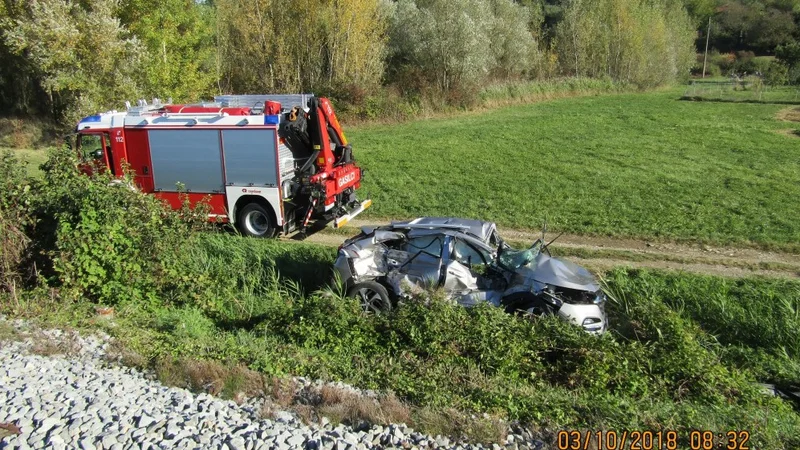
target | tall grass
x=518, y=92
x=240, y=273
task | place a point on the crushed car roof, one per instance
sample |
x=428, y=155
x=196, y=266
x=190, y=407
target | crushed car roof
x=480, y=229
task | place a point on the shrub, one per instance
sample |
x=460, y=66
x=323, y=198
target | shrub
x=24, y=133
x=725, y=61
x=105, y=241
x=712, y=69
x=15, y=198
x=660, y=366
x=355, y=103
x=789, y=55
x=776, y=74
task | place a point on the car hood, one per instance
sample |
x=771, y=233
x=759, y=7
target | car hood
x=561, y=273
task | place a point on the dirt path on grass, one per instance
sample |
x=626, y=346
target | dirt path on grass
x=602, y=253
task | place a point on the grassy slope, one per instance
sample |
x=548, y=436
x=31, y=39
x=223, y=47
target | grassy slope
x=642, y=165
x=32, y=158
x=682, y=354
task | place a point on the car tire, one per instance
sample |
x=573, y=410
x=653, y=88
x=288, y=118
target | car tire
x=527, y=303
x=373, y=297
x=254, y=220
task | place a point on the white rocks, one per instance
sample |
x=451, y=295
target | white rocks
x=81, y=401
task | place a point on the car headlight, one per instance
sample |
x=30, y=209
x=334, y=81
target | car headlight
x=600, y=298
x=592, y=324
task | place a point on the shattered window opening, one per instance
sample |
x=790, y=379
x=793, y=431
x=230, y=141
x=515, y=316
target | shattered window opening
x=425, y=244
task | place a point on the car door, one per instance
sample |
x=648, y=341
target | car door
x=462, y=269
x=421, y=265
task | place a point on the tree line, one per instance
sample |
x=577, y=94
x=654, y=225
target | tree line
x=66, y=58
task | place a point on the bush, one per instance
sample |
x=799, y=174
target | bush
x=354, y=103
x=104, y=241
x=776, y=74
x=789, y=55
x=712, y=69
x=25, y=133
x=15, y=197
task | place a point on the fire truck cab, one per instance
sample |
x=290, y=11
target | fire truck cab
x=264, y=167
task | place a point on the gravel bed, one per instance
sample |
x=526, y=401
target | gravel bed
x=82, y=401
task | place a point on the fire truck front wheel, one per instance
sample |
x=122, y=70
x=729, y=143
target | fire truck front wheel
x=254, y=220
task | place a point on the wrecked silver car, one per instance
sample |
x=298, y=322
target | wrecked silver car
x=469, y=260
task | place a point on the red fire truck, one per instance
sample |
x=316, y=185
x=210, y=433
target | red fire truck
x=281, y=164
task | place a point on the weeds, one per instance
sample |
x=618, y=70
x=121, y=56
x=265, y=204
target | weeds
x=228, y=381
x=66, y=344
x=347, y=407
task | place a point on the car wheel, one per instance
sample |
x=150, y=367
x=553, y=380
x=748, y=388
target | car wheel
x=526, y=303
x=373, y=297
x=254, y=220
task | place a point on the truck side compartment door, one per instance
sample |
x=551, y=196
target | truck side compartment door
x=138, y=154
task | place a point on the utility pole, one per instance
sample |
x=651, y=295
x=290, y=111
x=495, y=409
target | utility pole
x=705, y=55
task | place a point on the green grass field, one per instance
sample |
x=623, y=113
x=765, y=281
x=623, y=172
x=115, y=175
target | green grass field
x=637, y=165
x=33, y=158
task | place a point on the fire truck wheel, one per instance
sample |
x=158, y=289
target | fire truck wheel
x=254, y=220
x=373, y=297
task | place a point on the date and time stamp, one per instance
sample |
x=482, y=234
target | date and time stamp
x=652, y=440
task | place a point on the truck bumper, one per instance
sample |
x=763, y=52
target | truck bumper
x=339, y=222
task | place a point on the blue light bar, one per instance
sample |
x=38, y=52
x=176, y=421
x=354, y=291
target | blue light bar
x=94, y=118
x=272, y=119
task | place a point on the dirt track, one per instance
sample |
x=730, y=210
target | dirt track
x=602, y=253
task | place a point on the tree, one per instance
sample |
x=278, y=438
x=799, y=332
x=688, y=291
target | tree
x=270, y=45
x=179, y=39
x=19, y=90
x=457, y=44
x=753, y=25
x=512, y=44
x=78, y=54
x=646, y=43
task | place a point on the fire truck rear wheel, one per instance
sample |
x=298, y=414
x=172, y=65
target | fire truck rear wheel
x=254, y=220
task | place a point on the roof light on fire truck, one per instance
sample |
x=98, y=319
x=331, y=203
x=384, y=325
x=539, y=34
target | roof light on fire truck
x=94, y=118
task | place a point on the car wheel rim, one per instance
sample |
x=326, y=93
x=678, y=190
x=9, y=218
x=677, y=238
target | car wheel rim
x=256, y=223
x=371, y=301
